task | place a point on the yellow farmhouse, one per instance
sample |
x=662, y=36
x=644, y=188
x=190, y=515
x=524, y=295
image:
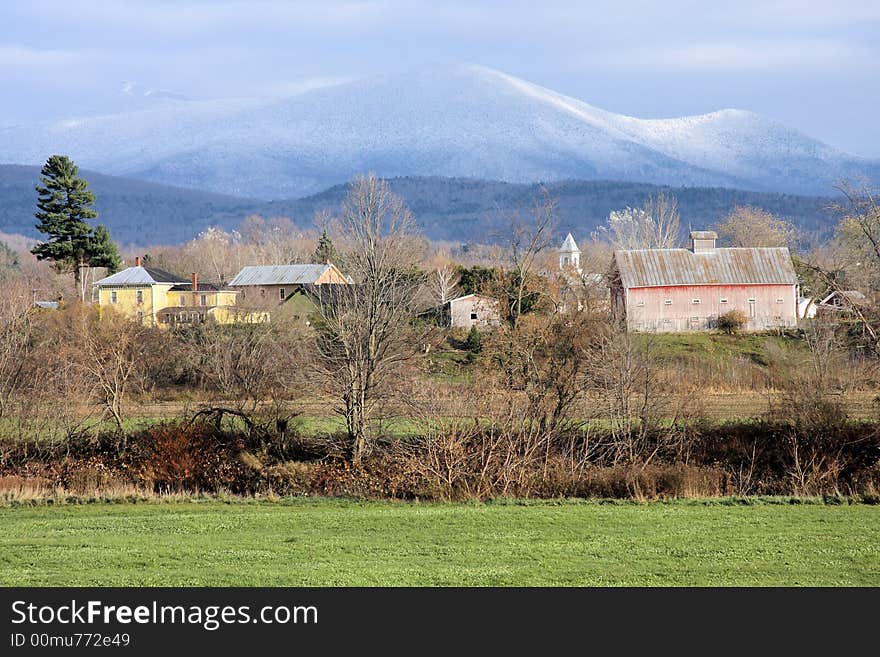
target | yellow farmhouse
x=157, y=298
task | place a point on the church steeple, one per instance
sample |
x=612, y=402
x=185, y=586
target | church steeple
x=569, y=255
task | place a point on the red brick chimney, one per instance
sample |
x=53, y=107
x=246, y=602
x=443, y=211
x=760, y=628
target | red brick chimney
x=137, y=261
x=195, y=281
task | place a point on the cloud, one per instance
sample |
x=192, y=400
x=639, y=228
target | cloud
x=744, y=56
x=23, y=59
x=187, y=19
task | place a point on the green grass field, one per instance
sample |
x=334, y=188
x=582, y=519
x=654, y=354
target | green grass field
x=328, y=542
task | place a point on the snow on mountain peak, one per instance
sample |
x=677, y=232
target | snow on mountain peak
x=466, y=120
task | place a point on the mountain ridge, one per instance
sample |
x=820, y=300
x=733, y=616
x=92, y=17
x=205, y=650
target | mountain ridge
x=454, y=209
x=464, y=121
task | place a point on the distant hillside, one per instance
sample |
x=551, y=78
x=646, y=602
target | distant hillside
x=136, y=212
x=463, y=210
x=454, y=209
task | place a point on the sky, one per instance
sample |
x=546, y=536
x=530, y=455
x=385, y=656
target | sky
x=814, y=66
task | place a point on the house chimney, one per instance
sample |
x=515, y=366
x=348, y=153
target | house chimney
x=137, y=261
x=703, y=241
x=195, y=282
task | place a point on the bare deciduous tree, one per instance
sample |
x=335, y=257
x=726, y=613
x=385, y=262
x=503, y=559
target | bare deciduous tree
x=108, y=353
x=366, y=329
x=443, y=283
x=644, y=416
x=525, y=240
x=747, y=226
x=275, y=241
x=858, y=241
x=656, y=225
x=255, y=372
x=214, y=252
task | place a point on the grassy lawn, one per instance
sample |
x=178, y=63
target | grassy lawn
x=328, y=542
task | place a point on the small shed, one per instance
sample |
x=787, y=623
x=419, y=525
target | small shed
x=472, y=310
x=843, y=300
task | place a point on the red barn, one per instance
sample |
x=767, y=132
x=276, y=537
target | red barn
x=664, y=290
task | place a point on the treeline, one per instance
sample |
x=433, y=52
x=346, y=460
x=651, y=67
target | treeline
x=450, y=209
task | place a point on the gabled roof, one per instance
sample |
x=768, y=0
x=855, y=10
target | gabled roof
x=480, y=297
x=279, y=275
x=140, y=276
x=853, y=296
x=201, y=287
x=670, y=267
x=569, y=245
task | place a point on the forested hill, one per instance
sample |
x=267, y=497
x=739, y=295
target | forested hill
x=136, y=212
x=456, y=209
x=459, y=209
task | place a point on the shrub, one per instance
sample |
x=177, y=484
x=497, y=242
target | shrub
x=192, y=457
x=474, y=341
x=732, y=321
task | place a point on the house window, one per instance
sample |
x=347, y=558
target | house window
x=281, y=293
x=203, y=300
x=113, y=298
x=780, y=301
x=140, y=317
x=695, y=301
x=723, y=299
x=182, y=300
x=140, y=296
x=474, y=316
x=667, y=302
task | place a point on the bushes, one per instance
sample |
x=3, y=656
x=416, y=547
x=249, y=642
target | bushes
x=190, y=457
x=732, y=321
x=468, y=461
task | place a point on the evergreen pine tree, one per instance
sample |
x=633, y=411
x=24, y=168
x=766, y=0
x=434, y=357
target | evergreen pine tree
x=64, y=204
x=104, y=252
x=474, y=341
x=325, y=252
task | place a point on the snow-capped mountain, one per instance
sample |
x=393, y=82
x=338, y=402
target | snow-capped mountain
x=466, y=121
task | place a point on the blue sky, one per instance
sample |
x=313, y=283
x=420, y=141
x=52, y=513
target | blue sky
x=812, y=65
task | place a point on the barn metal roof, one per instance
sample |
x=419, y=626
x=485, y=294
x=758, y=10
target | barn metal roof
x=140, y=276
x=279, y=275
x=669, y=267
